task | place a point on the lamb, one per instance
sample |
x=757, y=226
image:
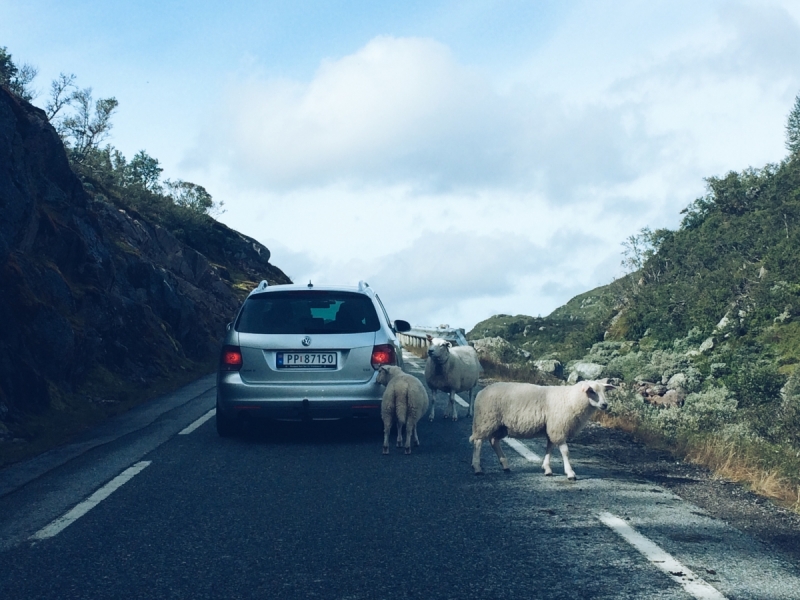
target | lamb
x=522, y=410
x=451, y=369
x=404, y=401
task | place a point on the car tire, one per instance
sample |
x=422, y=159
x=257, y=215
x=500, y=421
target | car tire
x=226, y=427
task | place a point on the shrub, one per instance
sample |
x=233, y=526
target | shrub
x=627, y=366
x=789, y=414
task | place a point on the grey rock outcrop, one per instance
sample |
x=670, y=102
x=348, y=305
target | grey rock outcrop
x=499, y=350
x=551, y=367
x=583, y=371
x=87, y=287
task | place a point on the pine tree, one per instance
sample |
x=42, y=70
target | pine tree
x=793, y=128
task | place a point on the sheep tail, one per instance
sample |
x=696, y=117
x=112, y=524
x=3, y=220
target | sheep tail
x=401, y=406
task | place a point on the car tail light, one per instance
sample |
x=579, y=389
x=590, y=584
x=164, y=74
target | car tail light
x=383, y=354
x=230, y=359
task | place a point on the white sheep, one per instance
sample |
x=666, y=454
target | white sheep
x=522, y=410
x=404, y=402
x=451, y=369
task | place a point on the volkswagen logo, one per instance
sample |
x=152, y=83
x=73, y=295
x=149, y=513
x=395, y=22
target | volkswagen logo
x=306, y=341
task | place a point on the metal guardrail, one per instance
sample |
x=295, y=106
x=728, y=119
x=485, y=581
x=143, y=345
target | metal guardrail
x=418, y=335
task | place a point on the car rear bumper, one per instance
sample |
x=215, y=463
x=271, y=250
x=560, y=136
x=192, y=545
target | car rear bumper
x=296, y=402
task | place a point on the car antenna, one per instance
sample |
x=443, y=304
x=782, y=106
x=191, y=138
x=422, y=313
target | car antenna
x=310, y=284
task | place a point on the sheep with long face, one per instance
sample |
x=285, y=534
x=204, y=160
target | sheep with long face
x=523, y=410
x=404, y=403
x=451, y=369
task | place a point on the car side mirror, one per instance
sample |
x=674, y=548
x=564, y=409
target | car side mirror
x=228, y=326
x=402, y=326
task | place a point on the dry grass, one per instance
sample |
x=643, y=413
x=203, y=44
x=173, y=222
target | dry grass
x=732, y=462
x=523, y=373
x=728, y=460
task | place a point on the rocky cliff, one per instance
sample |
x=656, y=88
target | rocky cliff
x=98, y=305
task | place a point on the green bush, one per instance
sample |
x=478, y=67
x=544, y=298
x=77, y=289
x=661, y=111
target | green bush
x=789, y=413
x=756, y=385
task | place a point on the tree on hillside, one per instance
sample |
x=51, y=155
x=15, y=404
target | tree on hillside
x=192, y=196
x=793, y=128
x=90, y=124
x=16, y=78
x=61, y=95
x=84, y=124
x=143, y=170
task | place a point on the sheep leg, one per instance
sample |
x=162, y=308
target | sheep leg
x=546, y=461
x=409, y=434
x=567, y=467
x=400, y=434
x=476, y=457
x=387, y=428
x=416, y=437
x=452, y=405
x=498, y=449
x=433, y=404
x=471, y=410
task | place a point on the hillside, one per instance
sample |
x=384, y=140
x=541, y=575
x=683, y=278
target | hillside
x=704, y=337
x=566, y=334
x=103, y=303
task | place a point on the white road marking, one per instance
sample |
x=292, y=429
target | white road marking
x=523, y=450
x=460, y=400
x=57, y=526
x=679, y=573
x=199, y=422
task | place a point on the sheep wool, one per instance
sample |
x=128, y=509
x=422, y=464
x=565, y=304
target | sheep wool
x=451, y=369
x=523, y=410
x=404, y=402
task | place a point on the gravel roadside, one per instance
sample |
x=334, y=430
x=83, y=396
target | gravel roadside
x=771, y=524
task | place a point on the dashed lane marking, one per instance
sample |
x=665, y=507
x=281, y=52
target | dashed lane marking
x=680, y=574
x=461, y=401
x=57, y=526
x=198, y=422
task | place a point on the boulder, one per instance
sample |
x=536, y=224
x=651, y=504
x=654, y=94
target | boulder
x=499, y=350
x=669, y=399
x=552, y=367
x=677, y=382
x=583, y=371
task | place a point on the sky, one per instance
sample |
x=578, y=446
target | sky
x=466, y=158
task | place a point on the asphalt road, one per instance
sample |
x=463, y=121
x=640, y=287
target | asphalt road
x=317, y=511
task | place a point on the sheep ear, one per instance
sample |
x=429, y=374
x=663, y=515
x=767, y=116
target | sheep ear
x=587, y=388
x=430, y=337
x=448, y=344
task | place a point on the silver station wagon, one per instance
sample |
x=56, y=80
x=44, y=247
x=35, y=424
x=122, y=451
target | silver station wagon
x=297, y=352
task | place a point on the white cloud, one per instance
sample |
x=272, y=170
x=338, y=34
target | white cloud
x=460, y=194
x=396, y=110
x=404, y=111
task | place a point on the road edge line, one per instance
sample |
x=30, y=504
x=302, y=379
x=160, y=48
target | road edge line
x=68, y=518
x=679, y=573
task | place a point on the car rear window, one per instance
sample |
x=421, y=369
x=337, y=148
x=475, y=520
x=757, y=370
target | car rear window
x=308, y=312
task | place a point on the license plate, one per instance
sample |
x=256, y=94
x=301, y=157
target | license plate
x=306, y=360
